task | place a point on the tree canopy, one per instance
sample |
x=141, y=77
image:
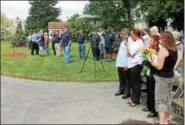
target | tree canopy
x=113, y=13
x=7, y=26
x=158, y=11
x=76, y=24
x=40, y=13
x=121, y=13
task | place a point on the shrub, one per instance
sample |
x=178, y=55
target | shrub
x=18, y=40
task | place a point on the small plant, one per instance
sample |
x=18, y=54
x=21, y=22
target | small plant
x=19, y=38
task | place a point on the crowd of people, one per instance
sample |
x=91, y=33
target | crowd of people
x=161, y=69
x=129, y=61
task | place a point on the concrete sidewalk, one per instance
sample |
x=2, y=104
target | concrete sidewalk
x=39, y=102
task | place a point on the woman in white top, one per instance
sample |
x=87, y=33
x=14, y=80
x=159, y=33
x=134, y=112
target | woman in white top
x=135, y=60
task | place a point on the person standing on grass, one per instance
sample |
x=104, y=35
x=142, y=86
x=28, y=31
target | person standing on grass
x=56, y=40
x=95, y=44
x=66, y=44
x=109, y=42
x=29, y=41
x=82, y=43
x=46, y=42
x=41, y=42
x=53, y=42
x=122, y=65
x=102, y=43
x=34, y=44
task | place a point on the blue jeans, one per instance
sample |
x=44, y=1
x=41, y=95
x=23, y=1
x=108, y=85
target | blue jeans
x=66, y=52
x=102, y=48
x=81, y=51
x=46, y=49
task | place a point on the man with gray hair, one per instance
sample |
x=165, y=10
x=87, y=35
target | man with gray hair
x=122, y=63
x=154, y=31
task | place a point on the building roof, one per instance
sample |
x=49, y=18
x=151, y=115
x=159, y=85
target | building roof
x=57, y=25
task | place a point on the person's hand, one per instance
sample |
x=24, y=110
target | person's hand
x=149, y=58
x=125, y=68
x=174, y=69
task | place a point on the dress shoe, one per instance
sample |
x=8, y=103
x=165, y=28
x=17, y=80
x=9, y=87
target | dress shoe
x=145, y=110
x=125, y=96
x=120, y=92
x=151, y=115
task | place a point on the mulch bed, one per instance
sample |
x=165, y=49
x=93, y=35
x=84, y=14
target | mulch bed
x=24, y=46
x=15, y=55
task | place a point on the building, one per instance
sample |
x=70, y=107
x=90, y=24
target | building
x=93, y=20
x=56, y=26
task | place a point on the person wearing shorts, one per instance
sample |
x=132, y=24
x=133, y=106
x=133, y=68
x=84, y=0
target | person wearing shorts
x=109, y=42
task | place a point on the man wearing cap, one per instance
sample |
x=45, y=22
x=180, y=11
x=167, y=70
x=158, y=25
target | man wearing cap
x=66, y=44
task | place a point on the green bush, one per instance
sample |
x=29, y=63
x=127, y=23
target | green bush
x=18, y=40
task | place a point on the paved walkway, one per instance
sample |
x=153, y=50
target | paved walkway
x=36, y=102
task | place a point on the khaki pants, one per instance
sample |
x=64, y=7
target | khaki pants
x=58, y=49
x=41, y=50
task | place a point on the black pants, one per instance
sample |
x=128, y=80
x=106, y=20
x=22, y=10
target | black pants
x=35, y=47
x=96, y=53
x=151, y=93
x=53, y=47
x=123, y=81
x=134, y=81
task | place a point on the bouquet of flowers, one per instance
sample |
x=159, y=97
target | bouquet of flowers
x=148, y=51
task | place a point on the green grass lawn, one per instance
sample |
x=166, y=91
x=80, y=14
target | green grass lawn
x=53, y=68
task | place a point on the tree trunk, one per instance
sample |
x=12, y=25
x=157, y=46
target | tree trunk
x=129, y=18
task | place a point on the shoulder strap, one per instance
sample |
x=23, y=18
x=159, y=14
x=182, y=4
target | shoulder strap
x=178, y=43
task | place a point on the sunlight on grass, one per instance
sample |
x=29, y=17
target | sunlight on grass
x=53, y=68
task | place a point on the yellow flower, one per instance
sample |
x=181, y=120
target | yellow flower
x=152, y=51
x=142, y=50
x=148, y=51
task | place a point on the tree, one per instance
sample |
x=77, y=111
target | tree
x=113, y=13
x=40, y=13
x=158, y=11
x=76, y=24
x=19, y=38
x=7, y=27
